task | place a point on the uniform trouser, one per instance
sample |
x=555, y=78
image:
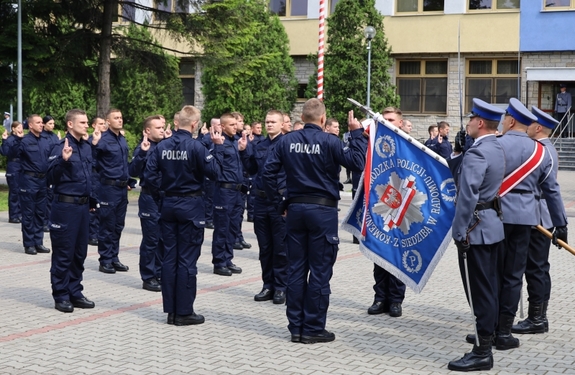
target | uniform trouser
x=182, y=226
x=250, y=204
x=33, y=204
x=227, y=216
x=516, y=245
x=14, y=211
x=49, y=199
x=537, y=269
x=483, y=266
x=113, y=206
x=95, y=215
x=151, y=247
x=69, y=236
x=387, y=288
x=270, y=230
x=312, y=244
x=209, y=186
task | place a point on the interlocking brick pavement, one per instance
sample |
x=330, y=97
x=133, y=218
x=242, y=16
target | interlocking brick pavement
x=127, y=334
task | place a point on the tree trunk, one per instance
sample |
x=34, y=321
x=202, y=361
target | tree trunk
x=104, y=59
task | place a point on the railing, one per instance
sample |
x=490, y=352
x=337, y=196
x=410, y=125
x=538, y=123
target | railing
x=565, y=129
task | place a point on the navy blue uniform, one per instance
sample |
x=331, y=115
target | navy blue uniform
x=311, y=159
x=151, y=247
x=94, y=214
x=177, y=167
x=34, y=152
x=112, y=167
x=251, y=198
x=227, y=202
x=53, y=140
x=209, y=186
x=269, y=224
x=10, y=149
x=69, y=217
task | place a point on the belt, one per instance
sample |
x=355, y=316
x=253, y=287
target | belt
x=314, y=200
x=260, y=193
x=34, y=174
x=72, y=199
x=15, y=159
x=115, y=182
x=484, y=206
x=197, y=193
x=145, y=190
x=520, y=191
x=225, y=185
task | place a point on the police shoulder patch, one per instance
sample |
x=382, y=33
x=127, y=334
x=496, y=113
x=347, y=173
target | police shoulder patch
x=209, y=157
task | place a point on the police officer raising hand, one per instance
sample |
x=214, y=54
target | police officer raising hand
x=216, y=136
x=352, y=122
x=168, y=131
x=66, y=151
x=145, y=145
x=96, y=135
x=243, y=142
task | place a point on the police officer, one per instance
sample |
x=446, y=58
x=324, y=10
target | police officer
x=98, y=124
x=53, y=140
x=70, y=173
x=33, y=153
x=10, y=149
x=240, y=243
x=537, y=268
x=311, y=159
x=112, y=166
x=177, y=167
x=563, y=104
x=209, y=185
x=150, y=247
x=478, y=230
x=519, y=192
x=227, y=199
x=269, y=224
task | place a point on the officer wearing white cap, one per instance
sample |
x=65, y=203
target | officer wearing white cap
x=478, y=229
x=537, y=269
x=527, y=172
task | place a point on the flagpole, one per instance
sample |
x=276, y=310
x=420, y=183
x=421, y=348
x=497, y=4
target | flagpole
x=320, y=50
x=459, y=74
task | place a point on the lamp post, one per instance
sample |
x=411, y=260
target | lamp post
x=369, y=33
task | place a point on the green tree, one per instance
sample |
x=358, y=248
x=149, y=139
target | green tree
x=345, y=61
x=248, y=68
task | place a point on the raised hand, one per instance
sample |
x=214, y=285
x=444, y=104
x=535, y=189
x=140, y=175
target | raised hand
x=145, y=145
x=59, y=135
x=217, y=137
x=66, y=151
x=352, y=122
x=5, y=134
x=243, y=142
x=96, y=135
x=168, y=131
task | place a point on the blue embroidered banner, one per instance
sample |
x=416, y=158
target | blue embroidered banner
x=404, y=220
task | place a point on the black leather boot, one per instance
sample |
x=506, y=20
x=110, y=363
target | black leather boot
x=544, y=315
x=505, y=339
x=480, y=358
x=533, y=323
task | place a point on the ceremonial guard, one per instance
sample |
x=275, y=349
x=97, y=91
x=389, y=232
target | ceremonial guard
x=70, y=174
x=537, y=268
x=177, y=167
x=478, y=229
x=311, y=159
x=53, y=140
x=33, y=154
x=10, y=149
x=269, y=224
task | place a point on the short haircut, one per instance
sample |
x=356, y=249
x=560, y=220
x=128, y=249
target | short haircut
x=298, y=122
x=491, y=124
x=238, y=115
x=188, y=115
x=430, y=128
x=148, y=121
x=15, y=124
x=274, y=112
x=95, y=119
x=71, y=114
x=395, y=110
x=112, y=110
x=256, y=123
x=177, y=116
x=443, y=125
x=226, y=117
x=330, y=121
x=31, y=117
x=312, y=110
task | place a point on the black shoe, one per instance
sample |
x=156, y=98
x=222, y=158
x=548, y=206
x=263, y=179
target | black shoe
x=223, y=271
x=395, y=310
x=325, y=336
x=93, y=242
x=355, y=240
x=118, y=266
x=238, y=246
x=64, y=306
x=42, y=249
x=295, y=338
x=171, y=317
x=480, y=358
x=210, y=225
x=534, y=322
x=245, y=245
x=83, y=303
x=265, y=295
x=30, y=250
x=471, y=339
x=46, y=229
x=279, y=297
x=234, y=269
x=15, y=221
x=152, y=285
x=186, y=320
x=378, y=307
x=107, y=268
x=505, y=339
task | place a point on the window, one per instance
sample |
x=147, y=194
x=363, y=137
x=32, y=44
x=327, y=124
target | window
x=419, y=6
x=494, y=81
x=332, y=4
x=187, y=75
x=422, y=86
x=128, y=11
x=559, y=4
x=301, y=89
x=494, y=4
x=168, y=6
x=289, y=8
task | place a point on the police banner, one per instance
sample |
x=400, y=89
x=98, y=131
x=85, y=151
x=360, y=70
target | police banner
x=404, y=206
